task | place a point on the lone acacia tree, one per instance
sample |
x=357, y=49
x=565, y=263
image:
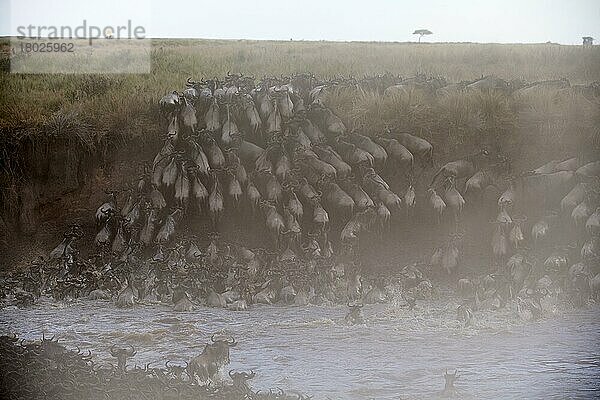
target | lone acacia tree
x=422, y=32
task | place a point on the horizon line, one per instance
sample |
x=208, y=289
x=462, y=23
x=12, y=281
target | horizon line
x=301, y=40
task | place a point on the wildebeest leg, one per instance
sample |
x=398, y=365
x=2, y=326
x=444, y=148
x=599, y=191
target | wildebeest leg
x=355, y=248
x=276, y=241
x=420, y=173
x=435, y=177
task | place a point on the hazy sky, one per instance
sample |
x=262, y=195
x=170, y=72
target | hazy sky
x=504, y=21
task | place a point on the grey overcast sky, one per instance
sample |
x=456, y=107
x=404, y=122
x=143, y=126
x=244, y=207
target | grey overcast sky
x=502, y=21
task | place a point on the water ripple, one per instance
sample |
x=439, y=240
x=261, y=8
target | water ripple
x=396, y=353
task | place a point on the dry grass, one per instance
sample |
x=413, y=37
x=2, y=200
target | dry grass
x=28, y=99
x=98, y=112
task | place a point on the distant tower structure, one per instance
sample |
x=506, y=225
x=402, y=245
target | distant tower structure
x=588, y=41
x=108, y=32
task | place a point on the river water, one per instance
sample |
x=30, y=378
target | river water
x=396, y=354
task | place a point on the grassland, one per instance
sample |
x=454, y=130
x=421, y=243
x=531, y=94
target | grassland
x=106, y=99
x=54, y=127
x=97, y=110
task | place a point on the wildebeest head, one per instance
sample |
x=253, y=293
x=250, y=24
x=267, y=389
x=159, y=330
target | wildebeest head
x=173, y=128
x=122, y=354
x=6, y=340
x=240, y=379
x=50, y=346
x=480, y=157
x=354, y=315
x=219, y=348
x=176, y=370
x=536, y=293
x=450, y=379
x=311, y=247
x=170, y=104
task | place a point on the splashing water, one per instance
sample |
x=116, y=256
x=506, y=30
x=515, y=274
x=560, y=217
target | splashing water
x=396, y=352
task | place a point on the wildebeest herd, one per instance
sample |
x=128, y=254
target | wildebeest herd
x=277, y=160
x=272, y=154
x=47, y=369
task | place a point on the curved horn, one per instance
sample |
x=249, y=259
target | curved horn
x=113, y=350
x=132, y=352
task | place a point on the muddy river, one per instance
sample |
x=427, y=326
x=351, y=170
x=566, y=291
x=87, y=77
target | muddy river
x=396, y=354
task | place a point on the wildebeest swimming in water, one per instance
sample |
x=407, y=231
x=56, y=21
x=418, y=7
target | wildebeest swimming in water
x=240, y=380
x=122, y=354
x=126, y=297
x=181, y=300
x=354, y=316
x=464, y=314
x=449, y=388
x=215, y=355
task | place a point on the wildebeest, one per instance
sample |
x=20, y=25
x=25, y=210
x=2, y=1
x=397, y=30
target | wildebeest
x=214, y=356
x=176, y=371
x=326, y=119
x=464, y=314
x=240, y=380
x=449, y=389
x=354, y=315
x=489, y=83
x=462, y=168
x=419, y=147
x=183, y=303
x=122, y=354
x=126, y=297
